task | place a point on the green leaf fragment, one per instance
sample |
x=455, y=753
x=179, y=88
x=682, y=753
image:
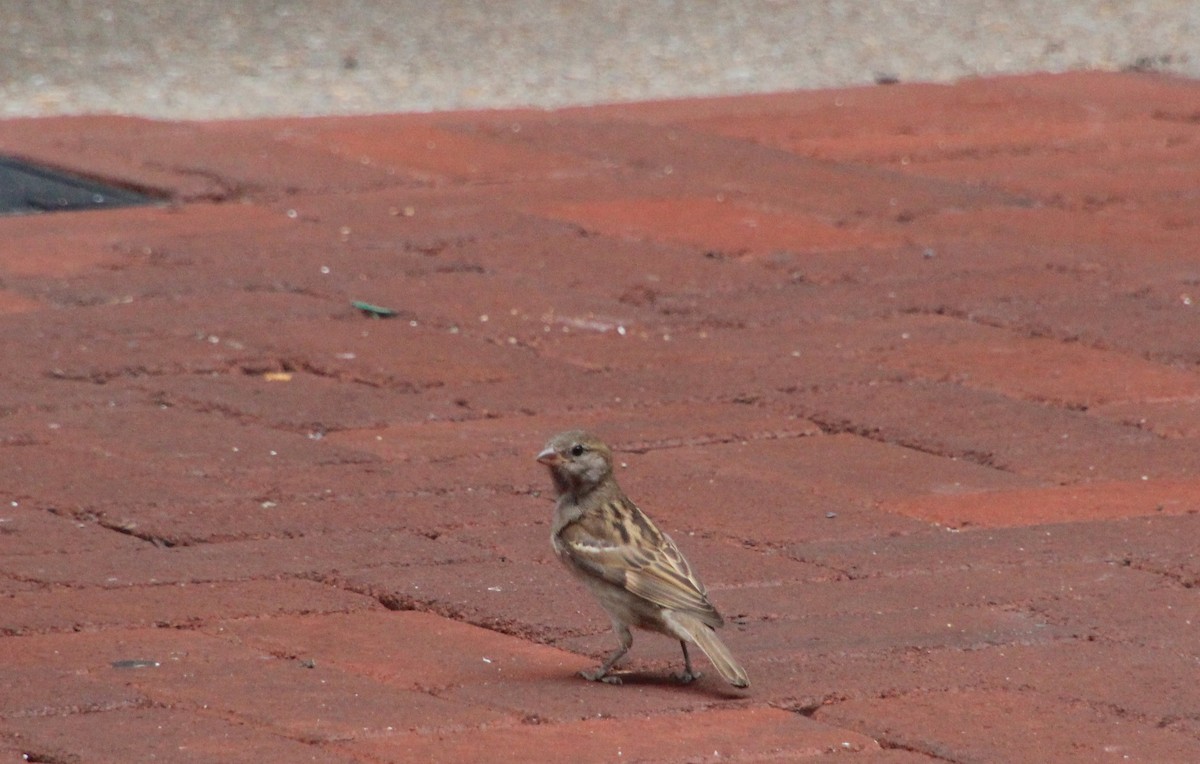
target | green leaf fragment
x=378, y=311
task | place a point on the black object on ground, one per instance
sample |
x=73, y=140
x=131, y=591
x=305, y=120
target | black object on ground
x=27, y=188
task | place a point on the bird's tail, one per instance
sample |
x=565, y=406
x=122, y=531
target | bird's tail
x=703, y=635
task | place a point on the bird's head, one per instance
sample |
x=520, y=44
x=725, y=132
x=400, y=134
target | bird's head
x=578, y=461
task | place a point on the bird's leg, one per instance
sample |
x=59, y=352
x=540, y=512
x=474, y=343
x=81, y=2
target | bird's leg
x=687, y=676
x=600, y=673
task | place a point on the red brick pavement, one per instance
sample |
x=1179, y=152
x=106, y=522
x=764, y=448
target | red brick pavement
x=911, y=372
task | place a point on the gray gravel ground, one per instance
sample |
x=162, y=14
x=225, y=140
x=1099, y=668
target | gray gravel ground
x=248, y=58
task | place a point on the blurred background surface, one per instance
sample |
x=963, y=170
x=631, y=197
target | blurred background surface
x=247, y=58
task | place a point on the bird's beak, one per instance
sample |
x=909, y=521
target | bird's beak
x=549, y=457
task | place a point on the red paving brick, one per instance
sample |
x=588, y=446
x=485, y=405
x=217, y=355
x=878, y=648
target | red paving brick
x=156, y=734
x=243, y=559
x=715, y=222
x=1073, y=503
x=183, y=604
x=714, y=734
x=970, y=725
x=909, y=372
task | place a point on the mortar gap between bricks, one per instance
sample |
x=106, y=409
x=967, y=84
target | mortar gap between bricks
x=407, y=603
x=1186, y=581
x=895, y=745
x=88, y=516
x=829, y=427
x=34, y=757
x=127, y=530
x=227, y=190
x=807, y=707
x=700, y=442
x=810, y=710
x=1119, y=712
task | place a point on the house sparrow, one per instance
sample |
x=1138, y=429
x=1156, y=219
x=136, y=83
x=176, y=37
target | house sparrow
x=634, y=569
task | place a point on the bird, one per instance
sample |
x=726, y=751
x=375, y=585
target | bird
x=634, y=569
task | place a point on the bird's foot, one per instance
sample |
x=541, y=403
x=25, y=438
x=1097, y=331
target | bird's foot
x=600, y=675
x=686, y=677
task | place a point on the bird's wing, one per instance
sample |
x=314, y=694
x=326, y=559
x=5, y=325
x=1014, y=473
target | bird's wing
x=619, y=544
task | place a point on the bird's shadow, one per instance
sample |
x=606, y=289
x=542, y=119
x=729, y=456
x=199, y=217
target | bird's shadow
x=703, y=685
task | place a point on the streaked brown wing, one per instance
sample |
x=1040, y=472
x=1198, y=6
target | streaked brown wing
x=622, y=546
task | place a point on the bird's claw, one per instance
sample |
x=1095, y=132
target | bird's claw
x=686, y=677
x=599, y=675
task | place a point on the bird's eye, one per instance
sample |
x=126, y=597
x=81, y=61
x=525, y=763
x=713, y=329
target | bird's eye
x=577, y=450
